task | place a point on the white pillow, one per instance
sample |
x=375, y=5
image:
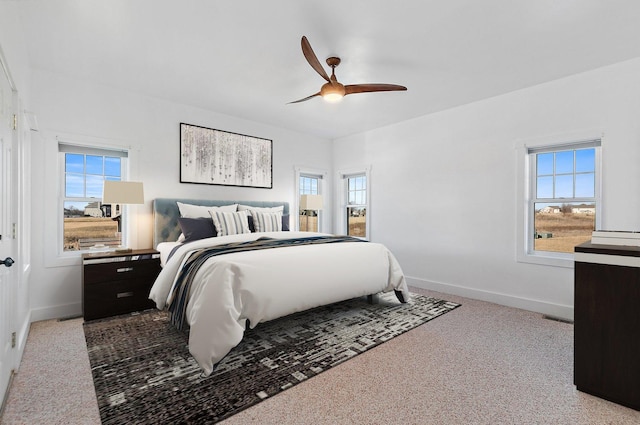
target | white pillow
x=267, y=221
x=196, y=211
x=279, y=208
x=230, y=223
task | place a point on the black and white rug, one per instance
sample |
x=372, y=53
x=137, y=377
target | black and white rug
x=143, y=372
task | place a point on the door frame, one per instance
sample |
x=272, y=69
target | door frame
x=10, y=350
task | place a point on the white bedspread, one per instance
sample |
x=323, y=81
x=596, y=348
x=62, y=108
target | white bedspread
x=264, y=285
x=165, y=249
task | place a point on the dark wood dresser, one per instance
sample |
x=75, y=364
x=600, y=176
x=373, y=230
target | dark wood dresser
x=117, y=283
x=607, y=322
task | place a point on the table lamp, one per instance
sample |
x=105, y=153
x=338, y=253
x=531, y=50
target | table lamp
x=310, y=203
x=121, y=192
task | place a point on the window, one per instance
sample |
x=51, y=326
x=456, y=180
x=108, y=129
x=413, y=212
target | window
x=86, y=220
x=309, y=185
x=356, y=206
x=563, y=197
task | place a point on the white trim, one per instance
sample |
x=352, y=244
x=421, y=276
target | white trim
x=56, y=312
x=65, y=147
x=53, y=254
x=543, y=307
x=322, y=190
x=5, y=67
x=341, y=194
x=613, y=260
x=22, y=336
x=89, y=141
x=523, y=252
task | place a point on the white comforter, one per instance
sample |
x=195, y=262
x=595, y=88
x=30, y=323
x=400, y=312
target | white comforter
x=264, y=285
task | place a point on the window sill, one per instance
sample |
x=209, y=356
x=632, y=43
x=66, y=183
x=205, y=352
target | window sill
x=547, y=260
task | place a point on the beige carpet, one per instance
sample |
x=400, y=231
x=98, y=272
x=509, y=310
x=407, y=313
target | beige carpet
x=479, y=364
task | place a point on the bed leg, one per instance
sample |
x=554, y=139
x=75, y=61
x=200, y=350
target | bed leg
x=400, y=296
x=370, y=299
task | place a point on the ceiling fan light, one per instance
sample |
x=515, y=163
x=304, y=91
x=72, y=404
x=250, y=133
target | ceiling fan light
x=332, y=92
x=332, y=97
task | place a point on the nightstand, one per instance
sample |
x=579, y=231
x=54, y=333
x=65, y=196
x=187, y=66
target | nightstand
x=117, y=283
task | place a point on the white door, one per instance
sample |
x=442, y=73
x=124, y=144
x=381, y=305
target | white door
x=8, y=275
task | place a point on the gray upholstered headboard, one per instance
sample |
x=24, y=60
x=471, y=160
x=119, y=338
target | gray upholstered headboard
x=166, y=214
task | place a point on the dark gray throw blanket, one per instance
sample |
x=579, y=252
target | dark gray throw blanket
x=177, y=304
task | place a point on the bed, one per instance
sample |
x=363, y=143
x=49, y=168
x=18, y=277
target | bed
x=220, y=285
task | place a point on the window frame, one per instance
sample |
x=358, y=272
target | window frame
x=317, y=191
x=344, y=206
x=70, y=148
x=527, y=196
x=54, y=254
x=321, y=176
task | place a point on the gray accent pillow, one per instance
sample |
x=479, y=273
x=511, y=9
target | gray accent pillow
x=197, y=228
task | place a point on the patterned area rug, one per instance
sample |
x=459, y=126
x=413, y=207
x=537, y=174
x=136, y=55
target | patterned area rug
x=143, y=372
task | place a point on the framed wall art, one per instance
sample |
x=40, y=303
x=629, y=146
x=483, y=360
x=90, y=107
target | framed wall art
x=209, y=156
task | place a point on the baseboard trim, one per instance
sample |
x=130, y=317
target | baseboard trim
x=551, y=309
x=23, y=335
x=56, y=312
x=5, y=395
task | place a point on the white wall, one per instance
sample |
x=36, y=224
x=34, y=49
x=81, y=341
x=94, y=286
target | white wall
x=444, y=186
x=77, y=110
x=14, y=48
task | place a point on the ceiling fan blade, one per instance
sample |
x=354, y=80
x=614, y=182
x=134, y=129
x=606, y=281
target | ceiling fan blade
x=313, y=59
x=305, y=99
x=367, y=88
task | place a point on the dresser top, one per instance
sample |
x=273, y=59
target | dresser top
x=622, y=250
x=132, y=255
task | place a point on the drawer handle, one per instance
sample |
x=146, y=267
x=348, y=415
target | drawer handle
x=124, y=294
x=125, y=269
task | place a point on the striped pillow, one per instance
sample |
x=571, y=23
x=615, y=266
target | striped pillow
x=267, y=221
x=230, y=223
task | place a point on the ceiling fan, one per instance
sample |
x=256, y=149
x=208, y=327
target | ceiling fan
x=332, y=90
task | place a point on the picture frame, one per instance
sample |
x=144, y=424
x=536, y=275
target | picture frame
x=217, y=157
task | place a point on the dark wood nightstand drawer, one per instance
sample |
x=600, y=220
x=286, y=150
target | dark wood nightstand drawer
x=106, y=299
x=120, y=270
x=117, y=283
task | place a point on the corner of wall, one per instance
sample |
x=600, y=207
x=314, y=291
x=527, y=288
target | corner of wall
x=65, y=311
x=550, y=309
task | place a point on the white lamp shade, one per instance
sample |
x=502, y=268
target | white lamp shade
x=311, y=202
x=118, y=192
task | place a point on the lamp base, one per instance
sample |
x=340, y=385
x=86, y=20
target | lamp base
x=99, y=247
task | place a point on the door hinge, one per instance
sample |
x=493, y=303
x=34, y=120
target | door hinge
x=15, y=122
x=13, y=340
x=14, y=231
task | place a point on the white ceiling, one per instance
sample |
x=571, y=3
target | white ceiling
x=243, y=57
